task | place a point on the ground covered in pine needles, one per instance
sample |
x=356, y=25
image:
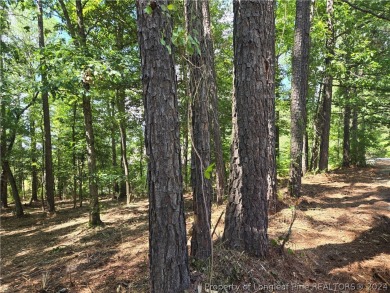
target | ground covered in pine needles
x=339, y=242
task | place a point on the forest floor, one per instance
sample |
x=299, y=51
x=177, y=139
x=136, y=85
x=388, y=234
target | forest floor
x=339, y=242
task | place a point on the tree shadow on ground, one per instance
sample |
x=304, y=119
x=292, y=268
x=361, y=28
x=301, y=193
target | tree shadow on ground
x=366, y=246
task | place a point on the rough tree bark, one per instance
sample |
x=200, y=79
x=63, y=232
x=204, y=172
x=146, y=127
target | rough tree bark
x=299, y=90
x=210, y=79
x=49, y=183
x=200, y=134
x=327, y=95
x=254, y=62
x=168, y=254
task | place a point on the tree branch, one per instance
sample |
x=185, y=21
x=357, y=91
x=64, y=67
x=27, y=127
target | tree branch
x=381, y=16
x=67, y=20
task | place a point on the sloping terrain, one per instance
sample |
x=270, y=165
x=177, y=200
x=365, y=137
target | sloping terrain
x=339, y=242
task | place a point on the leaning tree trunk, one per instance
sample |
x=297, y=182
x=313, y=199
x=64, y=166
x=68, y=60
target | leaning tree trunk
x=254, y=64
x=327, y=96
x=49, y=183
x=168, y=254
x=15, y=193
x=299, y=90
x=200, y=135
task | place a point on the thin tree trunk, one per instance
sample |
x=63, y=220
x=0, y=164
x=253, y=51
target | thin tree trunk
x=346, y=133
x=60, y=177
x=254, y=61
x=74, y=161
x=15, y=193
x=305, y=155
x=3, y=190
x=81, y=176
x=317, y=128
x=277, y=136
x=49, y=183
x=211, y=84
x=34, y=169
x=201, y=247
x=327, y=97
x=168, y=254
x=3, y=149
x=94, y=218
x=299, y=90
x=121, y=105
x=186, y=123
x=271, y=152
x=122, y=129
x=115, y=186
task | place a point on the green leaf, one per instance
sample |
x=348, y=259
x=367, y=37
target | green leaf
x=169, y=49
x=171, y=7
x=148, y=10
x=208, y=171
x=162, y=41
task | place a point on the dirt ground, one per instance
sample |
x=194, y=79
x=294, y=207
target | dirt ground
x=339, y=242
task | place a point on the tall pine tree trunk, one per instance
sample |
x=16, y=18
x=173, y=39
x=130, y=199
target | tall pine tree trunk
x=168, y=254
x=327, y=95
x=254, y=65
x=94, y=218
x=49, y=182
x=211, y=84
x=299, y=90
x=200, y=134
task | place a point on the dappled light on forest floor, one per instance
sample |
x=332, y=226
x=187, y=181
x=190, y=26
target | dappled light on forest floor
x=341, y=234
